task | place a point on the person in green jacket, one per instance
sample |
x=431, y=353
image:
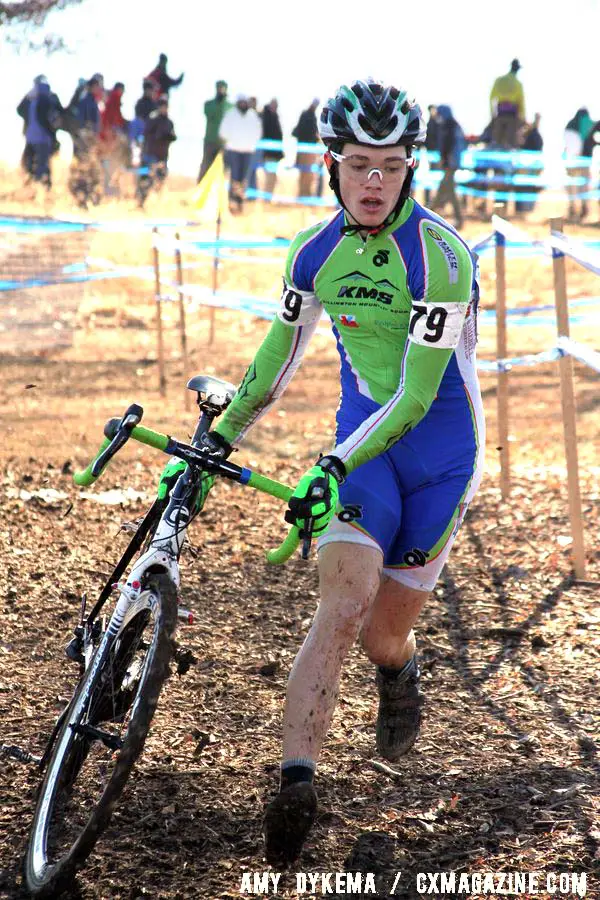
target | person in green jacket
x=214, y=110
x=507, y=104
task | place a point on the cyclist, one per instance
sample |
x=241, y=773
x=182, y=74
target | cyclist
x=398, y=285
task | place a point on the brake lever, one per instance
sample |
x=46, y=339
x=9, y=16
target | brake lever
x=307, y=539
x=118, y=436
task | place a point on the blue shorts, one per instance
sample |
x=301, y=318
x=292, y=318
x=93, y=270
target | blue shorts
x=410, y=501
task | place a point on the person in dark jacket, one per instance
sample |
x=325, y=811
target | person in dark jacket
x=40, y=132
x=88, y=111
x=532, y=140
x=49, y=112
x=146, y=104
x=307, y=132
x=162, y=81
x=271, y=131
x=431, y=145
x=144, y=107
x=451, y=143
x=159, y=135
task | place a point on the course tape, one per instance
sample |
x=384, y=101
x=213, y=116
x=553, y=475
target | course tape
x=58, y=226
x=531, y=359
x=580, y=352
x=558, y=243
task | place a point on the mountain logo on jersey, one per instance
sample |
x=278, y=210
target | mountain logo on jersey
x=349, y=321
x=451, y=259
x=368, y=290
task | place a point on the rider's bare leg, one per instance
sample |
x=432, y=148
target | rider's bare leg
x=349, y=576
x=387, y=635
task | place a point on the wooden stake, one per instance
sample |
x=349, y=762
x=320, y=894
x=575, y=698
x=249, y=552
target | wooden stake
x=567, y=395
x=501, y=353
x=182, y=332
x=162, y=384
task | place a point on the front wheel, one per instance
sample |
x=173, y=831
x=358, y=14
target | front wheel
x=101, y=738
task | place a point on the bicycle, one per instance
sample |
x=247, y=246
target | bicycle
x=124, y=659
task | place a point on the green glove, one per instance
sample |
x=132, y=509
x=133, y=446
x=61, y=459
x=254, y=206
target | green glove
x=169, y=476
x=316, y=497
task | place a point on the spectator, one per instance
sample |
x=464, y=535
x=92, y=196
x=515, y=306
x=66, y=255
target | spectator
x=144, y=107
x=161, y=81
x=431, y=145
x=576, y=133
x=146, y=104
x=257, y=157
x=240, y=132
x=533, y=142
x=88, y=110
x=507, y=104
x=451, y=143
x=77, y=94
x=214, y=110
x=28, y=156
x=113, y=141
x=112, y=121
x=591, y=150
x=40, y=130
x=271, y=131
x=306, y=132
x=159, y=135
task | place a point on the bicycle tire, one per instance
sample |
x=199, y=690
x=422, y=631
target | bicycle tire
x=109, y=691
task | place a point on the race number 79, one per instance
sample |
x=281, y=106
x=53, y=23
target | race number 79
x=434, y=322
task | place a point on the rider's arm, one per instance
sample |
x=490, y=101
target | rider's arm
x=436, y=323
x=277, y=359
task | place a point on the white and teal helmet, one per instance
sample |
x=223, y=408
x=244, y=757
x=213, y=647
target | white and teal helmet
x=371, y=112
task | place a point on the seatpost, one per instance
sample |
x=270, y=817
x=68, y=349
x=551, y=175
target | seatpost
x=204, y=424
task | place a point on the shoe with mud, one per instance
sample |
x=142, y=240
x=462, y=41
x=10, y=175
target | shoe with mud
x=288, y=819
x=400, y=703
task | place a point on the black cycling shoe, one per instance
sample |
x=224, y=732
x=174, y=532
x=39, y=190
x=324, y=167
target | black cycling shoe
x=399, y=717
x=288, y=819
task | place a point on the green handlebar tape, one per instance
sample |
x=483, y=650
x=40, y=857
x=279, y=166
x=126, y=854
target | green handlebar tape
x=270, y=486
x=139, y=433
x=282, y=554
x=151, y=438
x=85, y=477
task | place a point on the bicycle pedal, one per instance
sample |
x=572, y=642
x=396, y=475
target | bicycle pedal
x=11, y=751
x=185, y=659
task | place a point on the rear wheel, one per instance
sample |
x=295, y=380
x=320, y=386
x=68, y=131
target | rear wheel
x=101, y=738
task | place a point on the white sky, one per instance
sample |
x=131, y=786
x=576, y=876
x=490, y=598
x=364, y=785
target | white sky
x=441, y=52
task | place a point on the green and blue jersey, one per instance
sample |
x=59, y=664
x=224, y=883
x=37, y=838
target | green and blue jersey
x=402, y=306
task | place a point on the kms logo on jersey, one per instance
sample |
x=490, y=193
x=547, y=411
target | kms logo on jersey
x=365, y=288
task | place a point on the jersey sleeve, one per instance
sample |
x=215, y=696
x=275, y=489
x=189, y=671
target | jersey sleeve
x=441, y=287
x=278, y=358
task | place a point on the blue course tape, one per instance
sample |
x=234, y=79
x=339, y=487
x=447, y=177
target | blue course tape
x=505, y=365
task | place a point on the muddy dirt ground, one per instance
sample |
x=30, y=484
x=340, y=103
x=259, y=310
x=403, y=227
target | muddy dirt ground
x=505, y=776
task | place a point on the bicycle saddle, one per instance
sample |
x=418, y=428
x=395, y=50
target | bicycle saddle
x=218, y=392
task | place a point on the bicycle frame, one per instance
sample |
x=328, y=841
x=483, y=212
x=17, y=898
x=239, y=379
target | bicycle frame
x=169, y=517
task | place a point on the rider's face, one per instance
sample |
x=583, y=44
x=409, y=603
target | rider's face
x=371, y=179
